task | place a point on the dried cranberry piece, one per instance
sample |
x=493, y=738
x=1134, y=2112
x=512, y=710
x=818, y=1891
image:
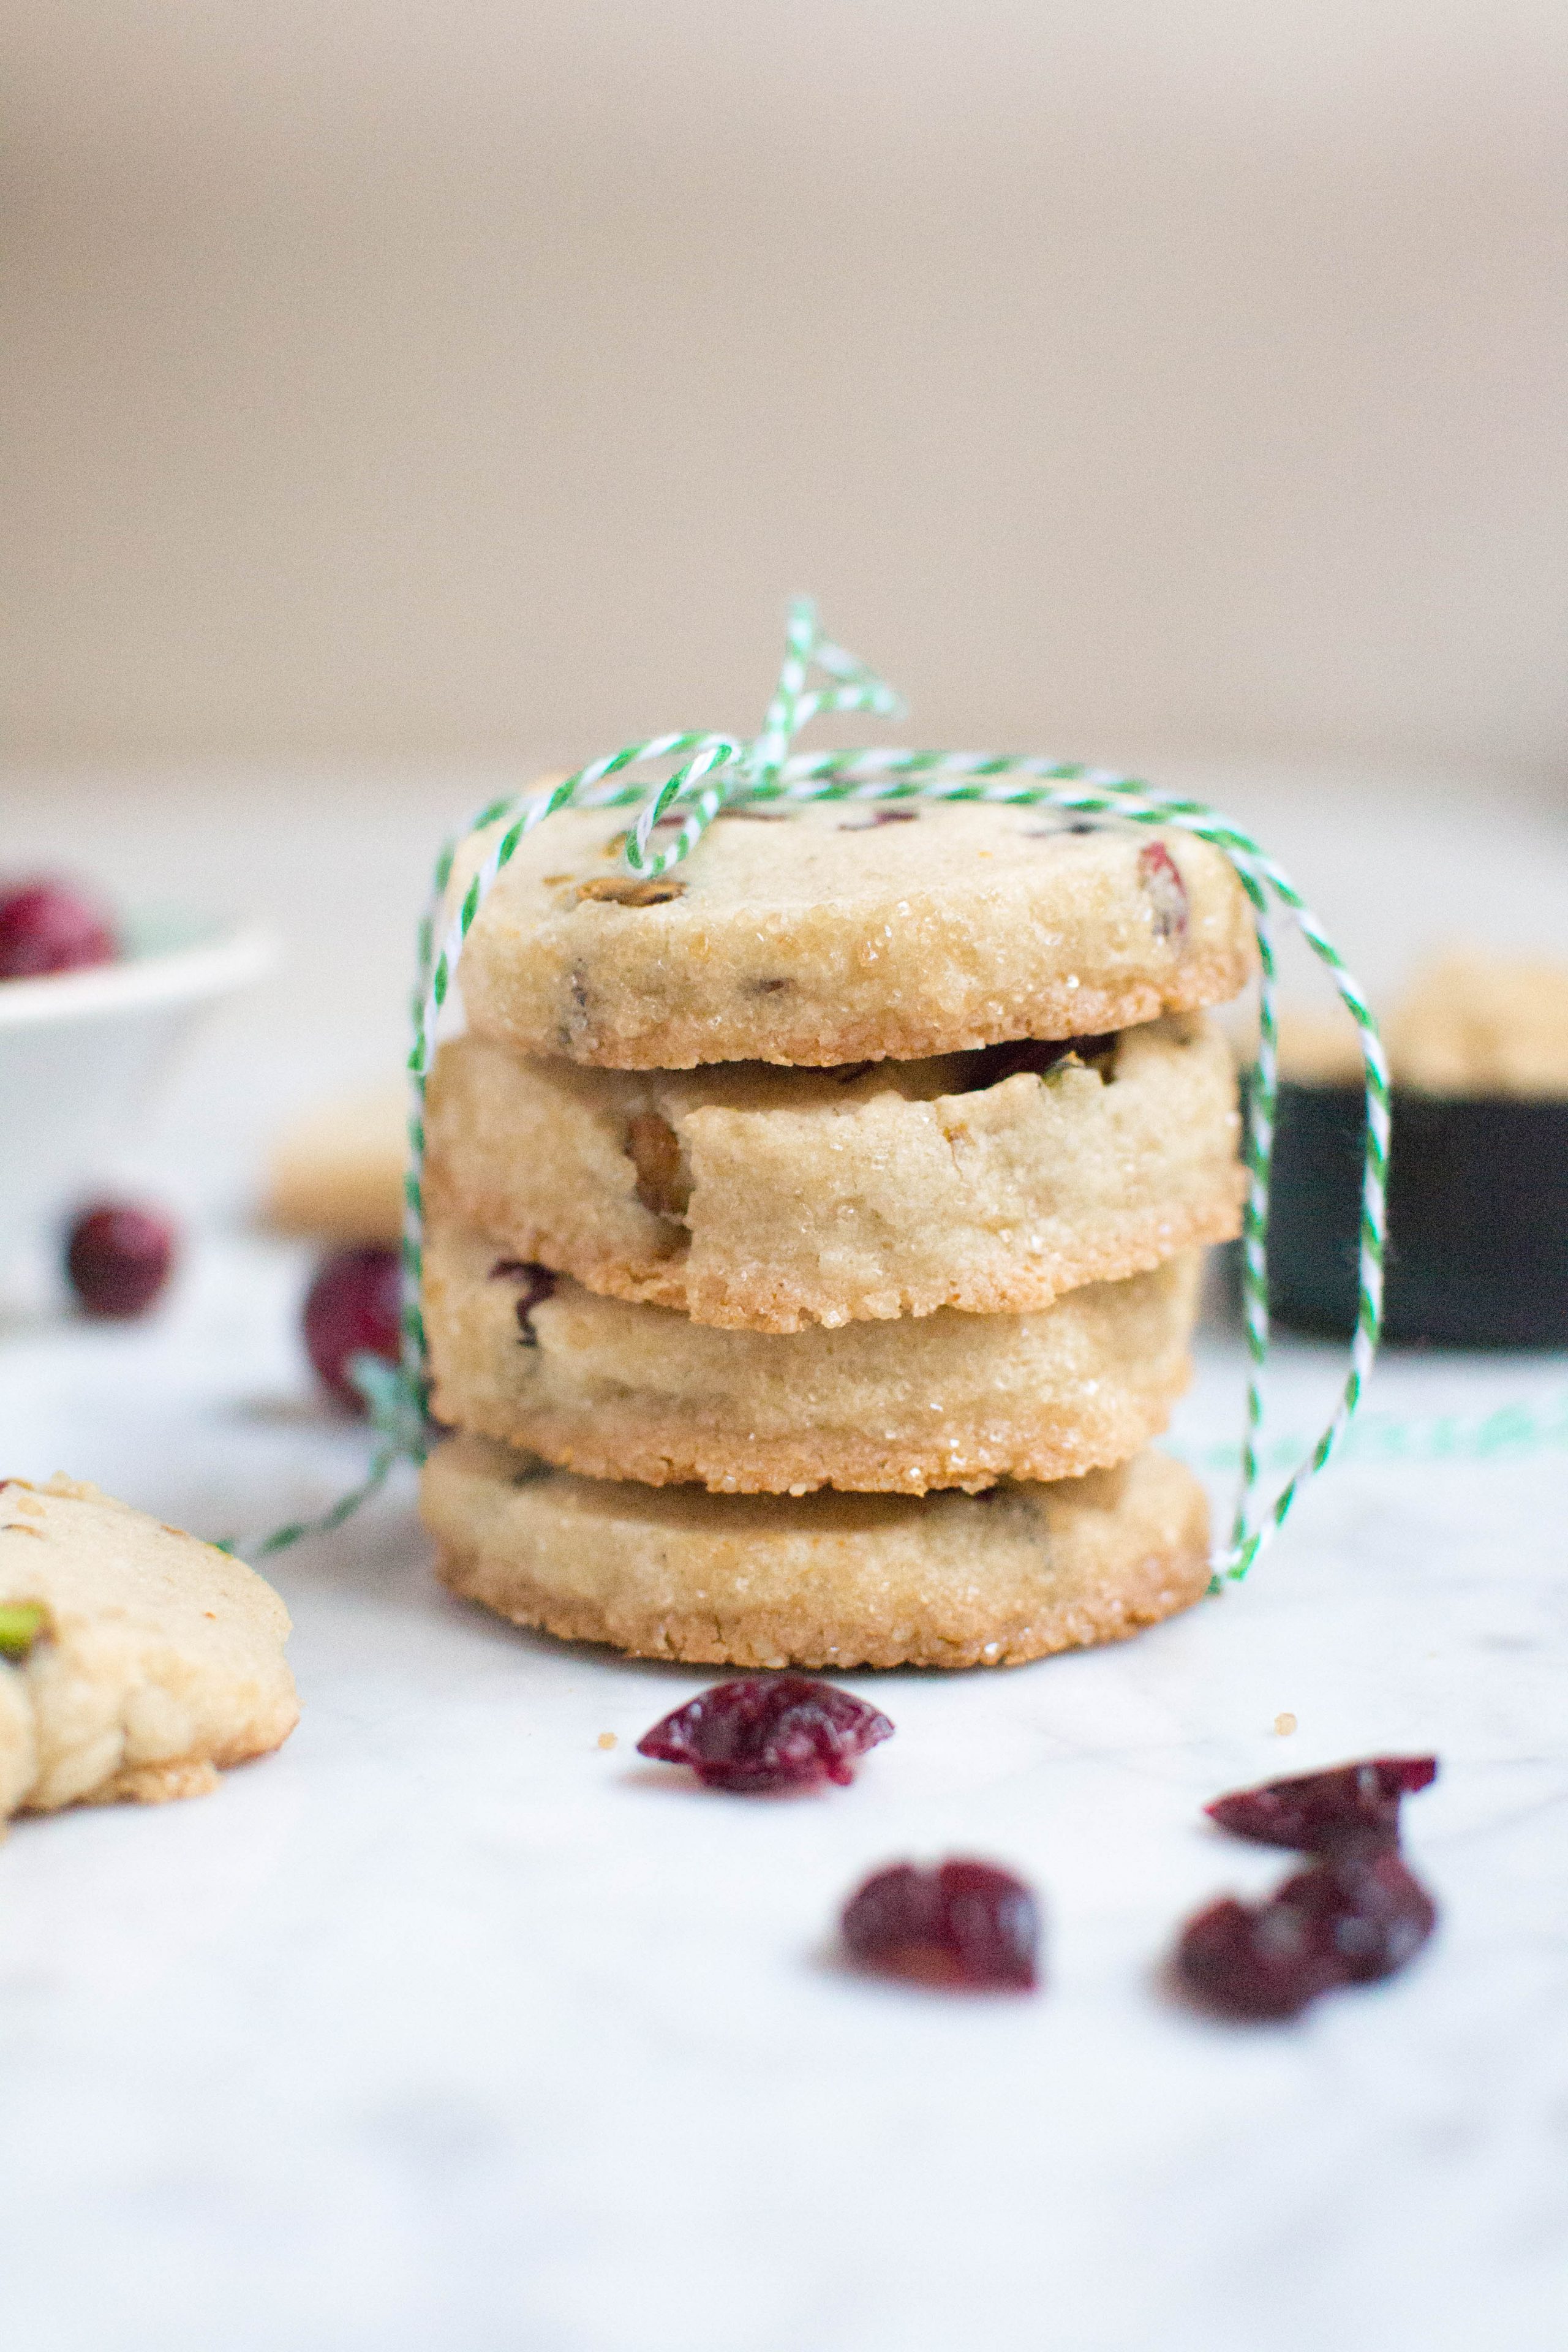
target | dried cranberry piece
x=1353, y=1808
x=784, y=1732
x=1253, y=1960
x=44, y=928
x=118, y=1258
x=1370, y=1913
x=964, y=1924
x=354, y=1307
x=1162, y=877
x=536, y=1283
x=1340, y=1922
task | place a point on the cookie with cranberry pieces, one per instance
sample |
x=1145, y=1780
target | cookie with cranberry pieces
x=766, y=1199
x=616, y=1391
x=831, y=932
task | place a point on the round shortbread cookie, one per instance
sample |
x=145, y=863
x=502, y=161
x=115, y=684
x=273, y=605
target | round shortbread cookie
x=767, y=1199
x=824, y=934
x=337, y=1173
x=160, y=1657
x=615, y=1390
x=823, y=1579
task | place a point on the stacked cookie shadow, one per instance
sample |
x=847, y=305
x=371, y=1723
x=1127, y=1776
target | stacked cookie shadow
x=814, y=1234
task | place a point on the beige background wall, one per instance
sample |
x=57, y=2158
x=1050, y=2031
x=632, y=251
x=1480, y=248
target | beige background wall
x=424, y=381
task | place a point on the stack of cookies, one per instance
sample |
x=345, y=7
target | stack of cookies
x=813, y=1234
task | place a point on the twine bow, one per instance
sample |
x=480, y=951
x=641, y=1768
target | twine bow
x=715, y=771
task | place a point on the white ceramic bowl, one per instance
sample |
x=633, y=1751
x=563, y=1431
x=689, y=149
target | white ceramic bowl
x=79, y=1049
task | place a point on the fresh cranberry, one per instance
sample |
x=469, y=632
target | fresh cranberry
x=1352, y=1809
x=354, y=1307
x=1345, y=1921
x=1162, y=877
x=965, y=1925
x=118, y=1258
x=44, y=928
x=755, y=1734
x=535, y=1284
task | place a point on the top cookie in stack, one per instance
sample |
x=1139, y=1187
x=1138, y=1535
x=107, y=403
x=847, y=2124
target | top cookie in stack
x=869, y=1148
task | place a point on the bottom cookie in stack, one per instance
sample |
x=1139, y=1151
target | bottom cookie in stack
x=822, y=1579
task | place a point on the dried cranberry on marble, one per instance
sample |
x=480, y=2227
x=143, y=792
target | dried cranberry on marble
x=964, y=1925
x=761, y=1734
x=1348, y=1920
x=1353, y=1808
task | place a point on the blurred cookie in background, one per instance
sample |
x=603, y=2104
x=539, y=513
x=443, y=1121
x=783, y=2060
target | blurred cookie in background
x=336, y=1174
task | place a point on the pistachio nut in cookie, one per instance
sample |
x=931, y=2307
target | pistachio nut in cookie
x=768, y=1199
x=140, y=1659
x=823, y=934
x=615, y=1391
x=822, y=1580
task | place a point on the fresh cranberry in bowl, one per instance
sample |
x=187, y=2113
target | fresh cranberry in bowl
x=761, y=1733
x=354, y=1307
x=965, y=1926
x=118, y=1258
x=47, y=927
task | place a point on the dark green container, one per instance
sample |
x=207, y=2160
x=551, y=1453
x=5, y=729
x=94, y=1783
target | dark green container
x=1477, y=1217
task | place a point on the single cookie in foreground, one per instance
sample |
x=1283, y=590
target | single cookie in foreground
x=767, y=1199
x=823, y=1579
x=823, y=934
x=156, y=1658
x=615, y=1390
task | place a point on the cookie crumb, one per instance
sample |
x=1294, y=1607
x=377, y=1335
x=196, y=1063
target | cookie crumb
x=1285, y=1724
x=607, y=1740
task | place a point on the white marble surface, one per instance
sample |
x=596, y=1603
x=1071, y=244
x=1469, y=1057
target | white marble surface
x=446, y=2026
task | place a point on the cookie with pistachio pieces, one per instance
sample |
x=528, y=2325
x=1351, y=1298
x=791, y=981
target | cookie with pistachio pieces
x=837, y=931
x=135, y=1660
x=766, y=1199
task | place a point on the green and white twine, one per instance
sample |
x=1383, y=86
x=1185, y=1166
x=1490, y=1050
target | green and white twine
x=713, y=772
